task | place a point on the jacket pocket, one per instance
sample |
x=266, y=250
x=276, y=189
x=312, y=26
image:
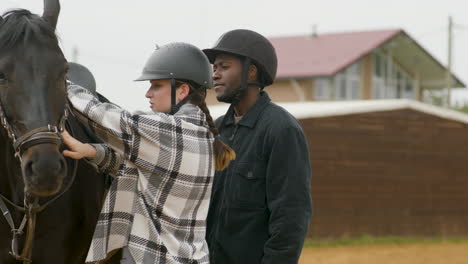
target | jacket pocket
x=249, y=181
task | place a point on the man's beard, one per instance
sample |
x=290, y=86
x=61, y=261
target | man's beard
x=229, y=96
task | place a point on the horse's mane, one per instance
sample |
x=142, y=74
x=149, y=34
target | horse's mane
x=21, y=25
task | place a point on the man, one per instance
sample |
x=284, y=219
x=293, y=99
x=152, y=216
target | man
x=260, y=206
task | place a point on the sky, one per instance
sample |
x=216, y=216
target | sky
x=115, y=37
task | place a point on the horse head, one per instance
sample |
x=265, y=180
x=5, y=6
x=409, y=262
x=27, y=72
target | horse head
x=33, y=95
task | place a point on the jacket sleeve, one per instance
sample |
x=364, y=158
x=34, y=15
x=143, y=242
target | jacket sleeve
x=288, y=196
x=109, y=122
x=119, y=129
x=107, y=160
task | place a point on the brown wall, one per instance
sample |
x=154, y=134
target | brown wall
x=389, y=173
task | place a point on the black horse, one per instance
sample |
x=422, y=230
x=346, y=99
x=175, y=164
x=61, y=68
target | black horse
x=50, y=204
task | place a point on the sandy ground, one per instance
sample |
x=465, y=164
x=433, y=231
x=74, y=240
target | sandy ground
x=443, y=253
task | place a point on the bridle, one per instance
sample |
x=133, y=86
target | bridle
x=43, y=135
x=48, y=134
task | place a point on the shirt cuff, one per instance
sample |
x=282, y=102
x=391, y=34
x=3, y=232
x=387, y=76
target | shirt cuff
x=100, y=154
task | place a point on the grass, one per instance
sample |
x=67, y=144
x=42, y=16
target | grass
x=373, y=240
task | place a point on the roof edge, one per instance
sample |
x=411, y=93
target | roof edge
x=369, y=51
x=435, y=60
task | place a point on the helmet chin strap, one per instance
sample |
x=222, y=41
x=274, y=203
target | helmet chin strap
x=175, y=107
x=244, y=81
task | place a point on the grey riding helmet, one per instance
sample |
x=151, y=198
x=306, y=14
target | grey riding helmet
x=181, y=61
x=249, y=44
x=178, y=61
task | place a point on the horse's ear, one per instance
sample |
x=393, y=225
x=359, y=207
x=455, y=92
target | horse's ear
x=51, y=12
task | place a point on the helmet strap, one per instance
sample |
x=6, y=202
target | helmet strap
x=245, y=75
x=173, y=97
x=175, y=107
x=244, y=80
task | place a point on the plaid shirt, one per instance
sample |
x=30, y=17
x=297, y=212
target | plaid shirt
x=158, y=202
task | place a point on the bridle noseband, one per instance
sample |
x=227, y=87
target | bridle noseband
x=43, y=135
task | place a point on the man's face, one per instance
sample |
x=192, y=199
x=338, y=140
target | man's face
x=227, y=76
x=159, y=95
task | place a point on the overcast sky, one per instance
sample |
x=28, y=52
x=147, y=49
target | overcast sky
x=115, y=37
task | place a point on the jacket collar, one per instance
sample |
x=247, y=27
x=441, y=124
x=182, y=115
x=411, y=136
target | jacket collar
x=250, y=118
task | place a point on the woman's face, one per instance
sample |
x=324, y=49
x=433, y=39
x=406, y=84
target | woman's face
x=159, y=95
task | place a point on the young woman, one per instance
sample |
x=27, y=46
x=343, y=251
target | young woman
x=163, y=162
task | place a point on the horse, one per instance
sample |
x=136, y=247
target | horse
x=50, y=204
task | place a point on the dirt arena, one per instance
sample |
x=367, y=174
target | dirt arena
x=438, y=253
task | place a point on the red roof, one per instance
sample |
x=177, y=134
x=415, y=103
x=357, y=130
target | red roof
x=326, y=54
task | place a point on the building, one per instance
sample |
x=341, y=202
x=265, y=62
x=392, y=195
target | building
x=382, y=64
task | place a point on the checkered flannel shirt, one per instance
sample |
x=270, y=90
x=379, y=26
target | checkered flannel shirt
x=158, y=202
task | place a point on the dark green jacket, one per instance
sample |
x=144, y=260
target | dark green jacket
x=260, y=205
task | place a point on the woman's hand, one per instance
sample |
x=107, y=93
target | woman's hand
x=77, y=150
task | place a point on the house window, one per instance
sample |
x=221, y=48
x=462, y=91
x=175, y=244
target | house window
x=354, y=81
x=400, y=83
x=355, y=89
x=404, y=85
x=342, y=93
x=390, y=80
x=378, y=88
x=340, y=86
x=378, y=66
x=348, y=83
x=322, y=91
x=391, y=87
x=380, y=71
x=408, y=89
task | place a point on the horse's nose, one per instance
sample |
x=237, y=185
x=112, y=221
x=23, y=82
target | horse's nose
x=53, y=167
x=44, y=170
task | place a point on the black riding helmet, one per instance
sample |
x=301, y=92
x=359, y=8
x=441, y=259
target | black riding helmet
x=253, y=48
x=80, y=75
x=178, y=61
